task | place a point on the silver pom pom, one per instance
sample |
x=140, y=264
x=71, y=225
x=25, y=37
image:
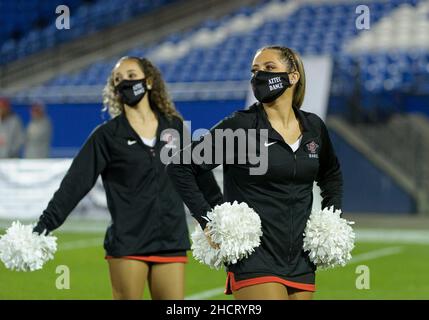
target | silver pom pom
x=23, y=250
x=328, y=238
x=235, y=227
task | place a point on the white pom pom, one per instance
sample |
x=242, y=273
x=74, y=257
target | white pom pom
x=23, y=250
x=328, y=238
x=202, y=251
x=237, y=230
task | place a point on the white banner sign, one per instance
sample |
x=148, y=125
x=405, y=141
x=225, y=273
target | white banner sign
x=26, y=186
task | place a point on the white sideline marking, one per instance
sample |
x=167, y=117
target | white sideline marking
x=371, y=255
x=206, y=294
x=397, y=236
x=393, y=235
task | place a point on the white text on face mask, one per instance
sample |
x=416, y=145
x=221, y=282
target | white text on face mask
x=275, y=83
x=138, y=89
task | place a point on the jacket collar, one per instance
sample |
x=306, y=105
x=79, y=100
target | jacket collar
x=125, y=130
x=264, y=123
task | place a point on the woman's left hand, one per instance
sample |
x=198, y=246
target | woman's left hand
x=209, y=239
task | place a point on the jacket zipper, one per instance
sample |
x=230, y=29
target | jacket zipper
x=294, y=165
x=293, y=178
x=291, y=213
x=153, y=151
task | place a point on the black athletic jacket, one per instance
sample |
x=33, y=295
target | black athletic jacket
x=147, y=213
x=282, y=196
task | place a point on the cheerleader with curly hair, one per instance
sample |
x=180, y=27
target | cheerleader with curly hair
x=147, y=240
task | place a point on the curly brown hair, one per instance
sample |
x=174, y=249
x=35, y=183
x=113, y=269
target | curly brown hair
x=158, y=95
x=293, y=63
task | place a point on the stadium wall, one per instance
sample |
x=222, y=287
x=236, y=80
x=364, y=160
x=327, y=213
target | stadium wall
x=366, y=188
x=383, y=104
x=72, y=123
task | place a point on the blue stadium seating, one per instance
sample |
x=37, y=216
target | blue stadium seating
x=20, y=34
x=312, y=29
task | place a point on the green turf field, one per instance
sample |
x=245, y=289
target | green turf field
x=397, y=271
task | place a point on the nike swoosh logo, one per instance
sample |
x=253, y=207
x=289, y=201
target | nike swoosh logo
x=131, y=142
x=268, y=144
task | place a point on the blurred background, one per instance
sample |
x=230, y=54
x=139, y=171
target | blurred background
x=370, y=84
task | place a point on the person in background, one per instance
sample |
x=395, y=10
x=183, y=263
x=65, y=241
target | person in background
x=11, y=131
x=39, y=132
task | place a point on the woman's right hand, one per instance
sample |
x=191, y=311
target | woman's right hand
x=40, y=228
x=209, y=239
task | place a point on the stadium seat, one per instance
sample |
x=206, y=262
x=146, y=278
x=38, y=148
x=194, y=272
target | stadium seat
x=313, y=29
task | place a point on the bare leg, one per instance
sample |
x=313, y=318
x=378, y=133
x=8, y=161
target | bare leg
x=167, y=281
x=263, y=291
x=298, y=294
x=128, y=278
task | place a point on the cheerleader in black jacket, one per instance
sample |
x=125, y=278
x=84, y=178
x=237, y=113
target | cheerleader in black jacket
x=148, y=237
x=299, y=152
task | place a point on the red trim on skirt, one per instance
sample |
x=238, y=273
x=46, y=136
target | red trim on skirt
x=232, y=285
x=157, y=259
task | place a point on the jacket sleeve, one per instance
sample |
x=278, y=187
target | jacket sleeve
x=205, y=179
x=91, y=160
x=191, y=178
x=329, y=177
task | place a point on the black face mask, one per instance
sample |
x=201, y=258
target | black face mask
x=268, y=86
x=131, y=91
